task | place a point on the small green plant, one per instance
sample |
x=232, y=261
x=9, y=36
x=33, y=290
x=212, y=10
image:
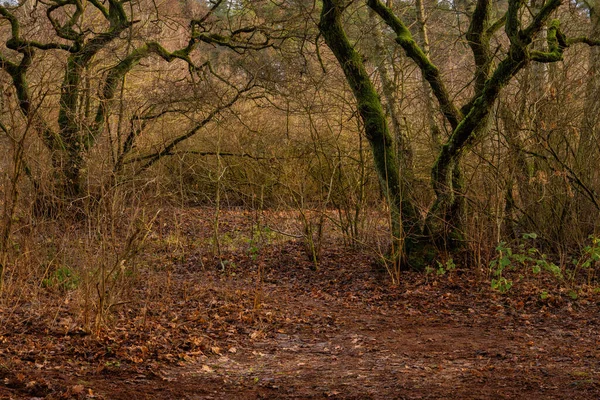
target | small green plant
x=112, y=364
x=522, y=256
x=228, y=266
x=263, y=233
x=260, y=235
x=497, y=266
x=442, y=268
x=253, y=251
x=63, y=278
x=501, y=284
x=588, y=261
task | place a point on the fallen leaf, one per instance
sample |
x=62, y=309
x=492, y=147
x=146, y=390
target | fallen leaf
x=77, y=389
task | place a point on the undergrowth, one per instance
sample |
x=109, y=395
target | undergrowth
x=524, y=257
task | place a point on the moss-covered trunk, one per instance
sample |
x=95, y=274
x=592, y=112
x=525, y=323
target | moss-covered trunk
x=470, y=123
x=68, y=158
x=403, y=214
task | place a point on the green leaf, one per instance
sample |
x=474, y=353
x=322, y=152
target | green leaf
x=573, y=294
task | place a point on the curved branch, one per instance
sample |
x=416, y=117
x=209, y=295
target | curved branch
x=231, y=43
x=584, y=40
x=479, y=42
x=117, y=73
x=539, y=20
x=494, y=27
x=430, y=71
x=66, y=30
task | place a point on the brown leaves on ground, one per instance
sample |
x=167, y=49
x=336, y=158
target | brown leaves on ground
x=264, y=325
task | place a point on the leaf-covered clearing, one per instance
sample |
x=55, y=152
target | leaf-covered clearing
x=259, y=323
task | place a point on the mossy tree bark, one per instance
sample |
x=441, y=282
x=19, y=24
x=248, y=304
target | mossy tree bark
x=66, y=144
x=402, y=141
x=469, y=123
x=403, y=213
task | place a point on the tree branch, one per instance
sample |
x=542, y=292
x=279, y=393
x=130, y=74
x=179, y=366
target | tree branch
x=430, y=71
x=168, y=148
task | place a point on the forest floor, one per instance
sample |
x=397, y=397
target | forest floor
x=262, y=325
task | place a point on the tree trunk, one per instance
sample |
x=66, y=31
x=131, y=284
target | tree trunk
x=403, y=213
x=404, y=149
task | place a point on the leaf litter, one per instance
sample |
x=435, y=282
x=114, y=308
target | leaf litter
x=268, y=326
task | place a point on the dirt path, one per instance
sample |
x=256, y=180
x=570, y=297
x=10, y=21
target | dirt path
x=342, y=332
x=336, y=349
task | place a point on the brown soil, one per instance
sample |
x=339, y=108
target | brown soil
x=342, y=332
